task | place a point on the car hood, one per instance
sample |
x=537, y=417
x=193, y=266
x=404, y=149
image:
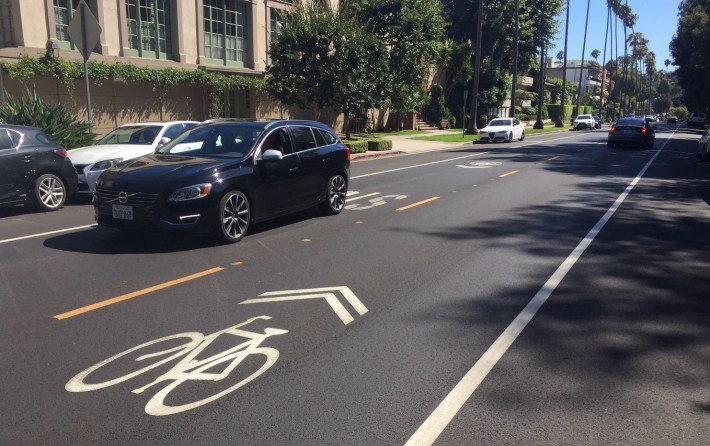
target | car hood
x=157, y=172
x=93, y=154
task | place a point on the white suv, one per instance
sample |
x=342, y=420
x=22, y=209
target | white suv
x=584, y=122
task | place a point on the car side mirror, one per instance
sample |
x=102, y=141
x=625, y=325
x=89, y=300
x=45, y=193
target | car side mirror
x=271, y=155
x=164, y=140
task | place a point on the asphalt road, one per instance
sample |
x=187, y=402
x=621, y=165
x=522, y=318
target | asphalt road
x=550, y=291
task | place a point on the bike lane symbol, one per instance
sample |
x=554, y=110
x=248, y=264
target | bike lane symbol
x=374, y=202
x=189, y=368
x=480, y=164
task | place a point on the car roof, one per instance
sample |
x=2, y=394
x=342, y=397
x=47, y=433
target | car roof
x=161, y=123
x=24, y=128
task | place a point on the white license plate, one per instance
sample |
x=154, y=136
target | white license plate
x=628, y=132
x=122, y=212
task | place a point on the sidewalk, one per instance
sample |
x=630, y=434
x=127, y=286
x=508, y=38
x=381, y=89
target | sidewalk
x=406, y=144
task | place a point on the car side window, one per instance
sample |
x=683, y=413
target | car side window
x=5, y=140
x=319, y=138
x=303, y=138
x=278, y=140
x=329, y=138
x=173, y=131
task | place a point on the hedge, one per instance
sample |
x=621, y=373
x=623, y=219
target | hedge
x=553, y=111
x=379, y=144
x=357, y=146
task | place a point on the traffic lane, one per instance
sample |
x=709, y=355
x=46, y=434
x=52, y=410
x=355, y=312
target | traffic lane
x=110, y=257
x=619, y=353
x=118, y=335
x=113, y=323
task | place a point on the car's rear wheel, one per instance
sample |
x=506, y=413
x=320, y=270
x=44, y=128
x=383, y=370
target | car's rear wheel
x=234, y=216
x=610, y=145
x=50, y=192
x=336, y=191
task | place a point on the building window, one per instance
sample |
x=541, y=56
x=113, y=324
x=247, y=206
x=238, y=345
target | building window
x=226, y=32
x=64, y=11
x=276, y=22
x=149, y=28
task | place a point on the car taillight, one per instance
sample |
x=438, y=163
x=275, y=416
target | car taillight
x=348, y=158
x=612, y=130
x=61, y=152
x=643, y=130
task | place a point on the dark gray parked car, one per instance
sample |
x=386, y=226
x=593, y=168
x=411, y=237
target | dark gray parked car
x=33, y=170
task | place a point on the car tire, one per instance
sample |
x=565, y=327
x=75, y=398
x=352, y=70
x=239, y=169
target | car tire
x=335, y=193
x=234, y=216
x=50, y=193
x=510, y=137
x=522, y=136
x=610, y=145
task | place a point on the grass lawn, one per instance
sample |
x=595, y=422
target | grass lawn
x=456, y=134
x=402, y=132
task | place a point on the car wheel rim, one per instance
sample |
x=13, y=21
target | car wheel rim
x=51, y=192
x=336, y=192
x=235, y=216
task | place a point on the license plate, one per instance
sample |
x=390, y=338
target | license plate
x=122, y=212
x=628, y=132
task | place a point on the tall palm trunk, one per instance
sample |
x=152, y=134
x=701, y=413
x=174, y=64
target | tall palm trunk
x=515, y=59
x=584, y=45
x=563, y=96
x=601, y=95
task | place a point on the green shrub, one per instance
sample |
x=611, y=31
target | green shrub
x=379, y=144
x=356, y=145
x=57, y=122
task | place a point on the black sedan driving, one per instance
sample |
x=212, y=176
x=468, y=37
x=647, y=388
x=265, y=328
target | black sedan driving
x=222, y=176
x=636, y=132
x=33, y=169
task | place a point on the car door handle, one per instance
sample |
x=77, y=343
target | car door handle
x=325, y=160
x=26, y=159
x=293, y=169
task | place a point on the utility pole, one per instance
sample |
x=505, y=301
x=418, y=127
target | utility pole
x=541, y=89
x=581, y=69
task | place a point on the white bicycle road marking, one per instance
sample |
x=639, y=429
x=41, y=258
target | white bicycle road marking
x=189, y=368
x=480, y=164
x=377, y=201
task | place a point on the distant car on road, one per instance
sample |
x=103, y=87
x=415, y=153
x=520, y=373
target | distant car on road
x=671, y=120
x=33, y=170
x=584, y=122
x=697, y=120
x=123, y=143
x=631, y=132
x=502, y=129
x=222, y=176
x=597, y=121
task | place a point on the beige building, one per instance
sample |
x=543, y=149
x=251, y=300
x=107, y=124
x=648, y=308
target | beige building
x=230, y=36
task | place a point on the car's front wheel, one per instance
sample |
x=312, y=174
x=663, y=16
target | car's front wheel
x=510, y=137
x=50, y=192
x=234, y=216
x=336, y=191
x=522, y=136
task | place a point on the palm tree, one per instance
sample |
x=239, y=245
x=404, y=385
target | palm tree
x=515, y=58
x=581, y=69
x=561, y=118
x=473, y=123
x=595, y=54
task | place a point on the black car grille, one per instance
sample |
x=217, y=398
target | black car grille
x=80, y=168
x=130, y=198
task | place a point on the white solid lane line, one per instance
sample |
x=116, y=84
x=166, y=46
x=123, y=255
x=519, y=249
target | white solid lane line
x=435, y=424
x=418, y=165
x=47, y=233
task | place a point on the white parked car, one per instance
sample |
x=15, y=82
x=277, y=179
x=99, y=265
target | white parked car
x=584, y=122
x=704, y=146
x=502, y=129
x=123, y=143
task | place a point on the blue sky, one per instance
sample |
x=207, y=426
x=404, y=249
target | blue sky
x=657, y=20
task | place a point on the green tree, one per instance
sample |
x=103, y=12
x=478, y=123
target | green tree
x=411, y=31
x=322, y=59
x=691, y=52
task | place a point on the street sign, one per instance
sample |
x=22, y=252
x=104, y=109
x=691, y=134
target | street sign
x=84, y=30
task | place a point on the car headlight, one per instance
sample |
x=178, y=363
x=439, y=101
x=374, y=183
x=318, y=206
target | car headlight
x=103, y=165
x=191, y=192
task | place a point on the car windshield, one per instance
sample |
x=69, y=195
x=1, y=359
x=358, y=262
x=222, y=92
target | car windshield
x=584, y=117
x=499, y=122
x=630, y=121
x=216, y=140
x=132, y=134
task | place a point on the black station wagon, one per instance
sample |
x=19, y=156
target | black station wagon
x=223, y=175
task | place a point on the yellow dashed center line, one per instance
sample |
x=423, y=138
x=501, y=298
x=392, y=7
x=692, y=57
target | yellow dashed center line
x=117, y=299
x=404, y=208
x=509, y=173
